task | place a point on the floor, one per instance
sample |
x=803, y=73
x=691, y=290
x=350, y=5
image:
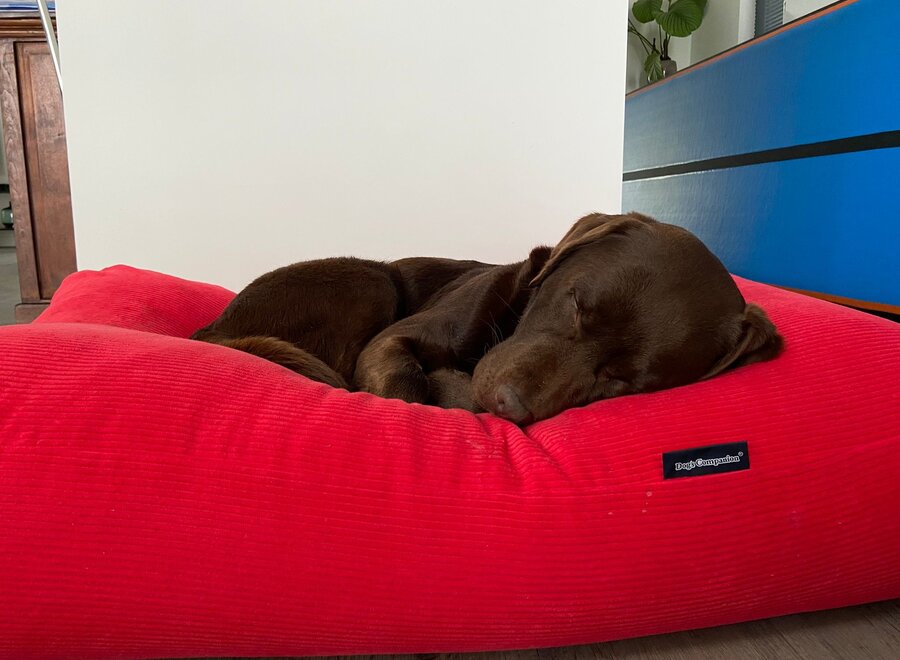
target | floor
x=9, y=285
x=866, y=632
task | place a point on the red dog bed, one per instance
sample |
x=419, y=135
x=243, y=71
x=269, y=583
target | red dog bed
x=163, y=497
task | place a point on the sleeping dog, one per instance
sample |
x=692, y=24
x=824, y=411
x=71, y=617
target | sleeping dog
x=623, y=304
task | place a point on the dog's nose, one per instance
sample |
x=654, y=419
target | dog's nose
x=509, y=406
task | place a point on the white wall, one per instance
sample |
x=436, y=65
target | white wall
x=726, y=24
x=218, y=140
x=794, y=9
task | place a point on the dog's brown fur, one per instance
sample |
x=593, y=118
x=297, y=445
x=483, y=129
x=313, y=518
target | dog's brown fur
x=623, y=304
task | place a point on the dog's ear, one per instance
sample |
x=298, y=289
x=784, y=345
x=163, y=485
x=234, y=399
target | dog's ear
x=758, y=341
x=534, y=264
x=587, y=230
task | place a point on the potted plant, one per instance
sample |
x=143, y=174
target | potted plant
x=680, y=18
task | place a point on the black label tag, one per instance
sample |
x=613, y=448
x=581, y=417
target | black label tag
x=714, y=459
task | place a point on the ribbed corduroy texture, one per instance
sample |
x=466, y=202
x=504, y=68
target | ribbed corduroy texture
x=163, y=497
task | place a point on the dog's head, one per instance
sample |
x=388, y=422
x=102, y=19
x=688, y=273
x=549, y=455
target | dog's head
x=623, y=304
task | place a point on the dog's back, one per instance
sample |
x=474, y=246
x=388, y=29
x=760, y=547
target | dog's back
x=315, y=317
x=312, y=317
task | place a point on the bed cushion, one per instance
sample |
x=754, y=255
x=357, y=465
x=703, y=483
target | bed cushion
x=127, y=297
x=163, y=497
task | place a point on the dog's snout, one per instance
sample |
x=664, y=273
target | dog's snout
x=508, y=405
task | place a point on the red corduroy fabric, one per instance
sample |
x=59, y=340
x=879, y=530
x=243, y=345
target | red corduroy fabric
x=163, y=497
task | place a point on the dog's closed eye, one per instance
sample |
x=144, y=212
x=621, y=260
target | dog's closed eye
x=579, y=309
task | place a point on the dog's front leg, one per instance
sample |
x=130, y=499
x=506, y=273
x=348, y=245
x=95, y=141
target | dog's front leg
x=451, y=388
x=388, y=367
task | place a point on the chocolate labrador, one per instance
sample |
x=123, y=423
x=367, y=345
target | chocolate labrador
x=623, y=304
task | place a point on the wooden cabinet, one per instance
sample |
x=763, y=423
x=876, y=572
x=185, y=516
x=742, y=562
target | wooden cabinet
x=37, y=163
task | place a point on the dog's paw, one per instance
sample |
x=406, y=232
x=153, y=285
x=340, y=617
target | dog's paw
x=451, y=388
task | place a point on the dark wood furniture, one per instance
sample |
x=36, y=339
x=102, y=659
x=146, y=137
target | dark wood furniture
x=37, y=163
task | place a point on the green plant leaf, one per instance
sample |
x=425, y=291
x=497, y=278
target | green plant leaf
x=653, y=66
x=646, y=10
x=682, y=17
